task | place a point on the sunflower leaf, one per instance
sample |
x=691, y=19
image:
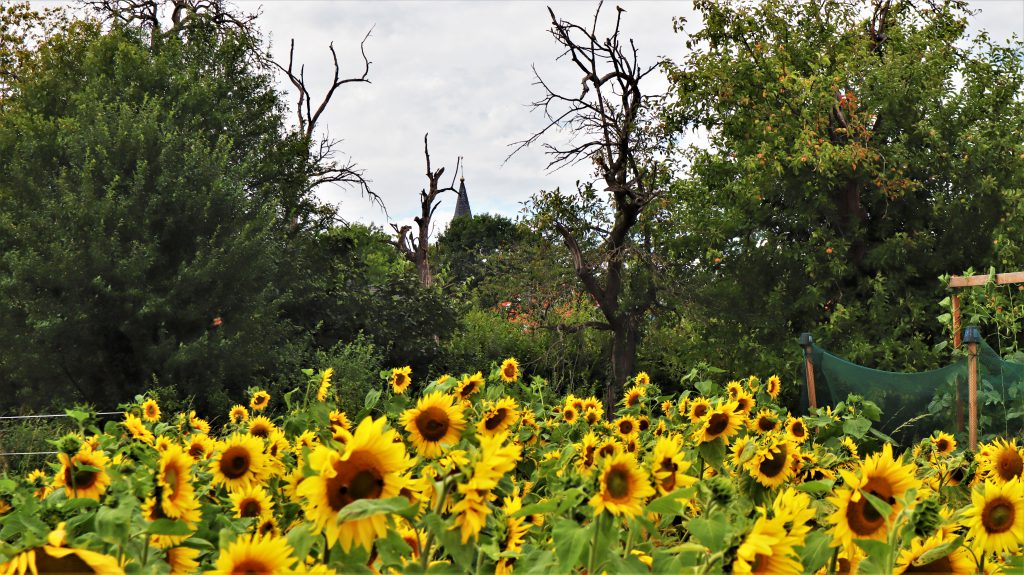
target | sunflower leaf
x=363, y=508
x=671, y=504
x=168, y=527
x=883, y=508
x=939, y=552
x=536, y=508
x=820, y=486
x=816, y=551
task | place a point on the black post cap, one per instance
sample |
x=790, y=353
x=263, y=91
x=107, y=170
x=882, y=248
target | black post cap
x=806, y=339
x=972, y=334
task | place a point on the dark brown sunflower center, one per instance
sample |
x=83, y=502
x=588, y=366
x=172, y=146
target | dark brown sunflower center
x=617, y=482
x=626, y=427
x=862, y=516
x=509, y=371
x=578, y=406
x=588, y=455
x=432, y=423
x=357, y=478
x=250, y=508
x=468, y=390
x=956, y=476
x=1010, y=464
x=400, y=380
x=260, y=430
x=765, y=424
x=633, y=399
x=495, y=420
x=998, y=515
x=607, y=450
x=645, y=424
x=592, y=417
x=717, y=423
x=82, y=479
x=235, y=462
x=700, y=410
x=67, y=564
x=745, y=403
x=150, y=411
x=773, y=464
x=942, y=445
x=569, y=415
x=196, y=450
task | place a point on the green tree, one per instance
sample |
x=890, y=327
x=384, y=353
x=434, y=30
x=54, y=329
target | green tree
x=856, y=152
x=140, y=236
x=468, y=245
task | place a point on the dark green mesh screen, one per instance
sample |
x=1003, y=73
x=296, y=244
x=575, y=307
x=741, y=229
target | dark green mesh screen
x=916, y=404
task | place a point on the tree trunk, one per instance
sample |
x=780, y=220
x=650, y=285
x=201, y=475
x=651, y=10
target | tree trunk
x=624, y=342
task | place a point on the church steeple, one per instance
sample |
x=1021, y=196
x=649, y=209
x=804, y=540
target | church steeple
x=462, y=205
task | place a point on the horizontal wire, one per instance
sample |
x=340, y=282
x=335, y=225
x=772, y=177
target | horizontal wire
x=30, y=453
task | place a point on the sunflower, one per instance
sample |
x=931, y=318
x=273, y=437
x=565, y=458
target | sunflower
x=510, y=370
x=162, y=442
x=743, y=450
x=796, y=431
x=1001, y=461
x=773, y=386
x=623, y=487
x=643, y=423
x=151, y=411
x=79, y=482
x=764, y=422
x=586, y=450
x=153, y=511
x=957, y=562
x=255, y=554
x=371, y=466
x=667, y=408
x=471, y=512
x=796, y=510
x=199, y=446
x=38, y=480
x=850, y=445
x=499, y=416
x=470, y=385
x=608, y=448
x=174, y=477
x=881, y=476
x=593, y=415
x=995, y=519
x=400, y=379
x=515, y=527
x=634, y=395
x=683, y=407
x=570, y=415
x=238, y=414
x=262, y=427
x=723, y=422
x=58, y=559
x=943, y=443
x=182, y=560
x=642, y=379
x=198, y=423
x=699, y=407
x=733, y=388
x=669, y=465
x=753, y=383
x=259, y=401
x=252, y=501
x=268, y=526
x=744, y=402
x=435, y=423
x=767, y=549
x=770, y=465
x=325, y=384
x=626, y=426
x=239, y=462
x=138, y=429
x=339, y=419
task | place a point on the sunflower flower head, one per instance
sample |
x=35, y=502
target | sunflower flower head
x=510, y=370
x=401, y=378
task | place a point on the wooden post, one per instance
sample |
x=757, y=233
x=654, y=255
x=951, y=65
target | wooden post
x=972, y=337
x=806, y=342
x=955, y=301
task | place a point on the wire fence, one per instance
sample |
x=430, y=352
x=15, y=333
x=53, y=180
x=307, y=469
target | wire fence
x=38, y=417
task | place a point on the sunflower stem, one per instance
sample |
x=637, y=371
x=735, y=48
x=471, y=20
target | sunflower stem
x=593, y=546
x=834, y=563
x=629, y=542
x=425, y=552
x=145, y=548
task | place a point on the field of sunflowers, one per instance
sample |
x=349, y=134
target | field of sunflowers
x=483, y=473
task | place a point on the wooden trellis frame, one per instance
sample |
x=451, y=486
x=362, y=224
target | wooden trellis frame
x=957, y=282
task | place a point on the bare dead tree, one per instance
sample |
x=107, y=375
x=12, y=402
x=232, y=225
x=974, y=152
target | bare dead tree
x=610, y=123
x=169, y=17
x=323, y=168
x=416, y=249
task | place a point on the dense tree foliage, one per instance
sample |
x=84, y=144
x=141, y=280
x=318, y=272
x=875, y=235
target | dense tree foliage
x=857, y=152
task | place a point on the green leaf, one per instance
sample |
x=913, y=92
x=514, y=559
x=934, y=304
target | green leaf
x=112, y=524
x=706, y=388
x=670, y=504
x=363, y=508
x=571, y=540
x=939, y=552
x=817, y=487
x=856, y=427
x=462, y=554
x=713, y=452
x=873, y=547
x=816, y=551
x=168, y=527
x=547, y=506
x=301, y=538
x=709, y=532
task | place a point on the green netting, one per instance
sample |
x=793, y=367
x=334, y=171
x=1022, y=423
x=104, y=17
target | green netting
x=916, y=404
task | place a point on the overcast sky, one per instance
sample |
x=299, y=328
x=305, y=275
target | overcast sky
x=462, y=72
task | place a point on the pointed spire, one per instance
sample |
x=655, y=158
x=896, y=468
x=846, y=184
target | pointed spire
x=462, y=205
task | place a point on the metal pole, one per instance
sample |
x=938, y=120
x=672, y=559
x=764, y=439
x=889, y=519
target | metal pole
x=806, y=341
